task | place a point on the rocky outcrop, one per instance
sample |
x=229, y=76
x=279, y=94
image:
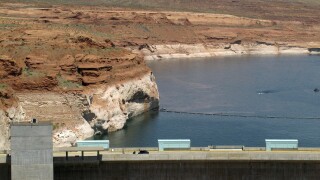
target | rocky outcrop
x=10, y=111
x=111, y=106
x=13, y=114
x=60, y=88
x=156, y=52
x=8, y=67
x=68, y=136
x=68, y=69
x=63, y=110
x=95, y=69
x=97, y=110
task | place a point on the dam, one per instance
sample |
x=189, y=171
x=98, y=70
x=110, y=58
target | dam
x=32, y=157
x=198, y=163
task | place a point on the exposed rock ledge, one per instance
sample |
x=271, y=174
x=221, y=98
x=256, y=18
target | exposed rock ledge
x=98, y=110
x=157, y=52
x=13, y=114
x=111, y=106
x=10, y=111
x=108, y=108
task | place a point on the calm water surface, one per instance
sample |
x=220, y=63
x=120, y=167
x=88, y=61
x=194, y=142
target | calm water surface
x=251, y=89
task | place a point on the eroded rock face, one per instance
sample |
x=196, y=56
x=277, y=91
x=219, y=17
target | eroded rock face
x=8, y=67
x=113, y=105
x=68, y=137
x=65, y=137
x=68, y=69
x=104, y=108
x=63, y=110
x=10, y=111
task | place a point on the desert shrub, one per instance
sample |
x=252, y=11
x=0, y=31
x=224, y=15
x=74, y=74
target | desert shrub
x=2, y=85
x=65, y=84
x=32, y=73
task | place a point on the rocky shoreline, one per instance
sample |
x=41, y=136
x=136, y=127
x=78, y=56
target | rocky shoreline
x=96, y=111
x=177, y=51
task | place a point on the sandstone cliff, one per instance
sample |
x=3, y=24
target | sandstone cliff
x=111, y=106
x=10, y=111
x=96, y=110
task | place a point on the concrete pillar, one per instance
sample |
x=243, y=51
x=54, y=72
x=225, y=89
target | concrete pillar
x=31, y=151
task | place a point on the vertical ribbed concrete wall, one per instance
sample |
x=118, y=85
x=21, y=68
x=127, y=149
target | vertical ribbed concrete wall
x=31, y=151
x=189, y=170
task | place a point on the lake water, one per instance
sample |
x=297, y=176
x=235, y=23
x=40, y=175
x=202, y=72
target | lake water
x=252, y=98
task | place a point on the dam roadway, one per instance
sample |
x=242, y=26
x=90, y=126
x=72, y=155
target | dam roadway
x=197, y=163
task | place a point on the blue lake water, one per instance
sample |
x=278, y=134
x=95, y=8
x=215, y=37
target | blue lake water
x=259, y=97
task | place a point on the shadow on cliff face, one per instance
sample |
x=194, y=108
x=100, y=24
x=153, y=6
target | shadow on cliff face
x=88, y=115
x=136, y=123
x=140, y=97
x=98, y=126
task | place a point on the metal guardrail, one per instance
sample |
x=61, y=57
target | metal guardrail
x=77, y=149
x=74, y=149
x=226, y=147
x=254, y=148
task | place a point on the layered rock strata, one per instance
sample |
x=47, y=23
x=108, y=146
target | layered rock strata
x=93, y=77
x=63, y=110
x=157, y=52
x=98, y=110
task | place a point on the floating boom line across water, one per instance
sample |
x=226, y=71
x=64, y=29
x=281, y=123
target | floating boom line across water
x=237, y=115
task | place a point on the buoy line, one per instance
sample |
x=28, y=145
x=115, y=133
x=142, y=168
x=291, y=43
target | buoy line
x=236, y=115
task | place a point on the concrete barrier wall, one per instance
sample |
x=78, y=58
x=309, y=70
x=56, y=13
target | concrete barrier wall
x=189, y=170
x=183, y=170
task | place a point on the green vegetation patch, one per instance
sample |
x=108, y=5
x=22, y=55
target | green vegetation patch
x=2, y=85
x=32, y=74
x=65, y=84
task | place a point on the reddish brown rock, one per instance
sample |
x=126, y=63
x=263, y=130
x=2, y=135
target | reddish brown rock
x=41, y=83
x=68, y=69
x=7, y=97
x=9, y=67
x=93, y=69
x=40, y=65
